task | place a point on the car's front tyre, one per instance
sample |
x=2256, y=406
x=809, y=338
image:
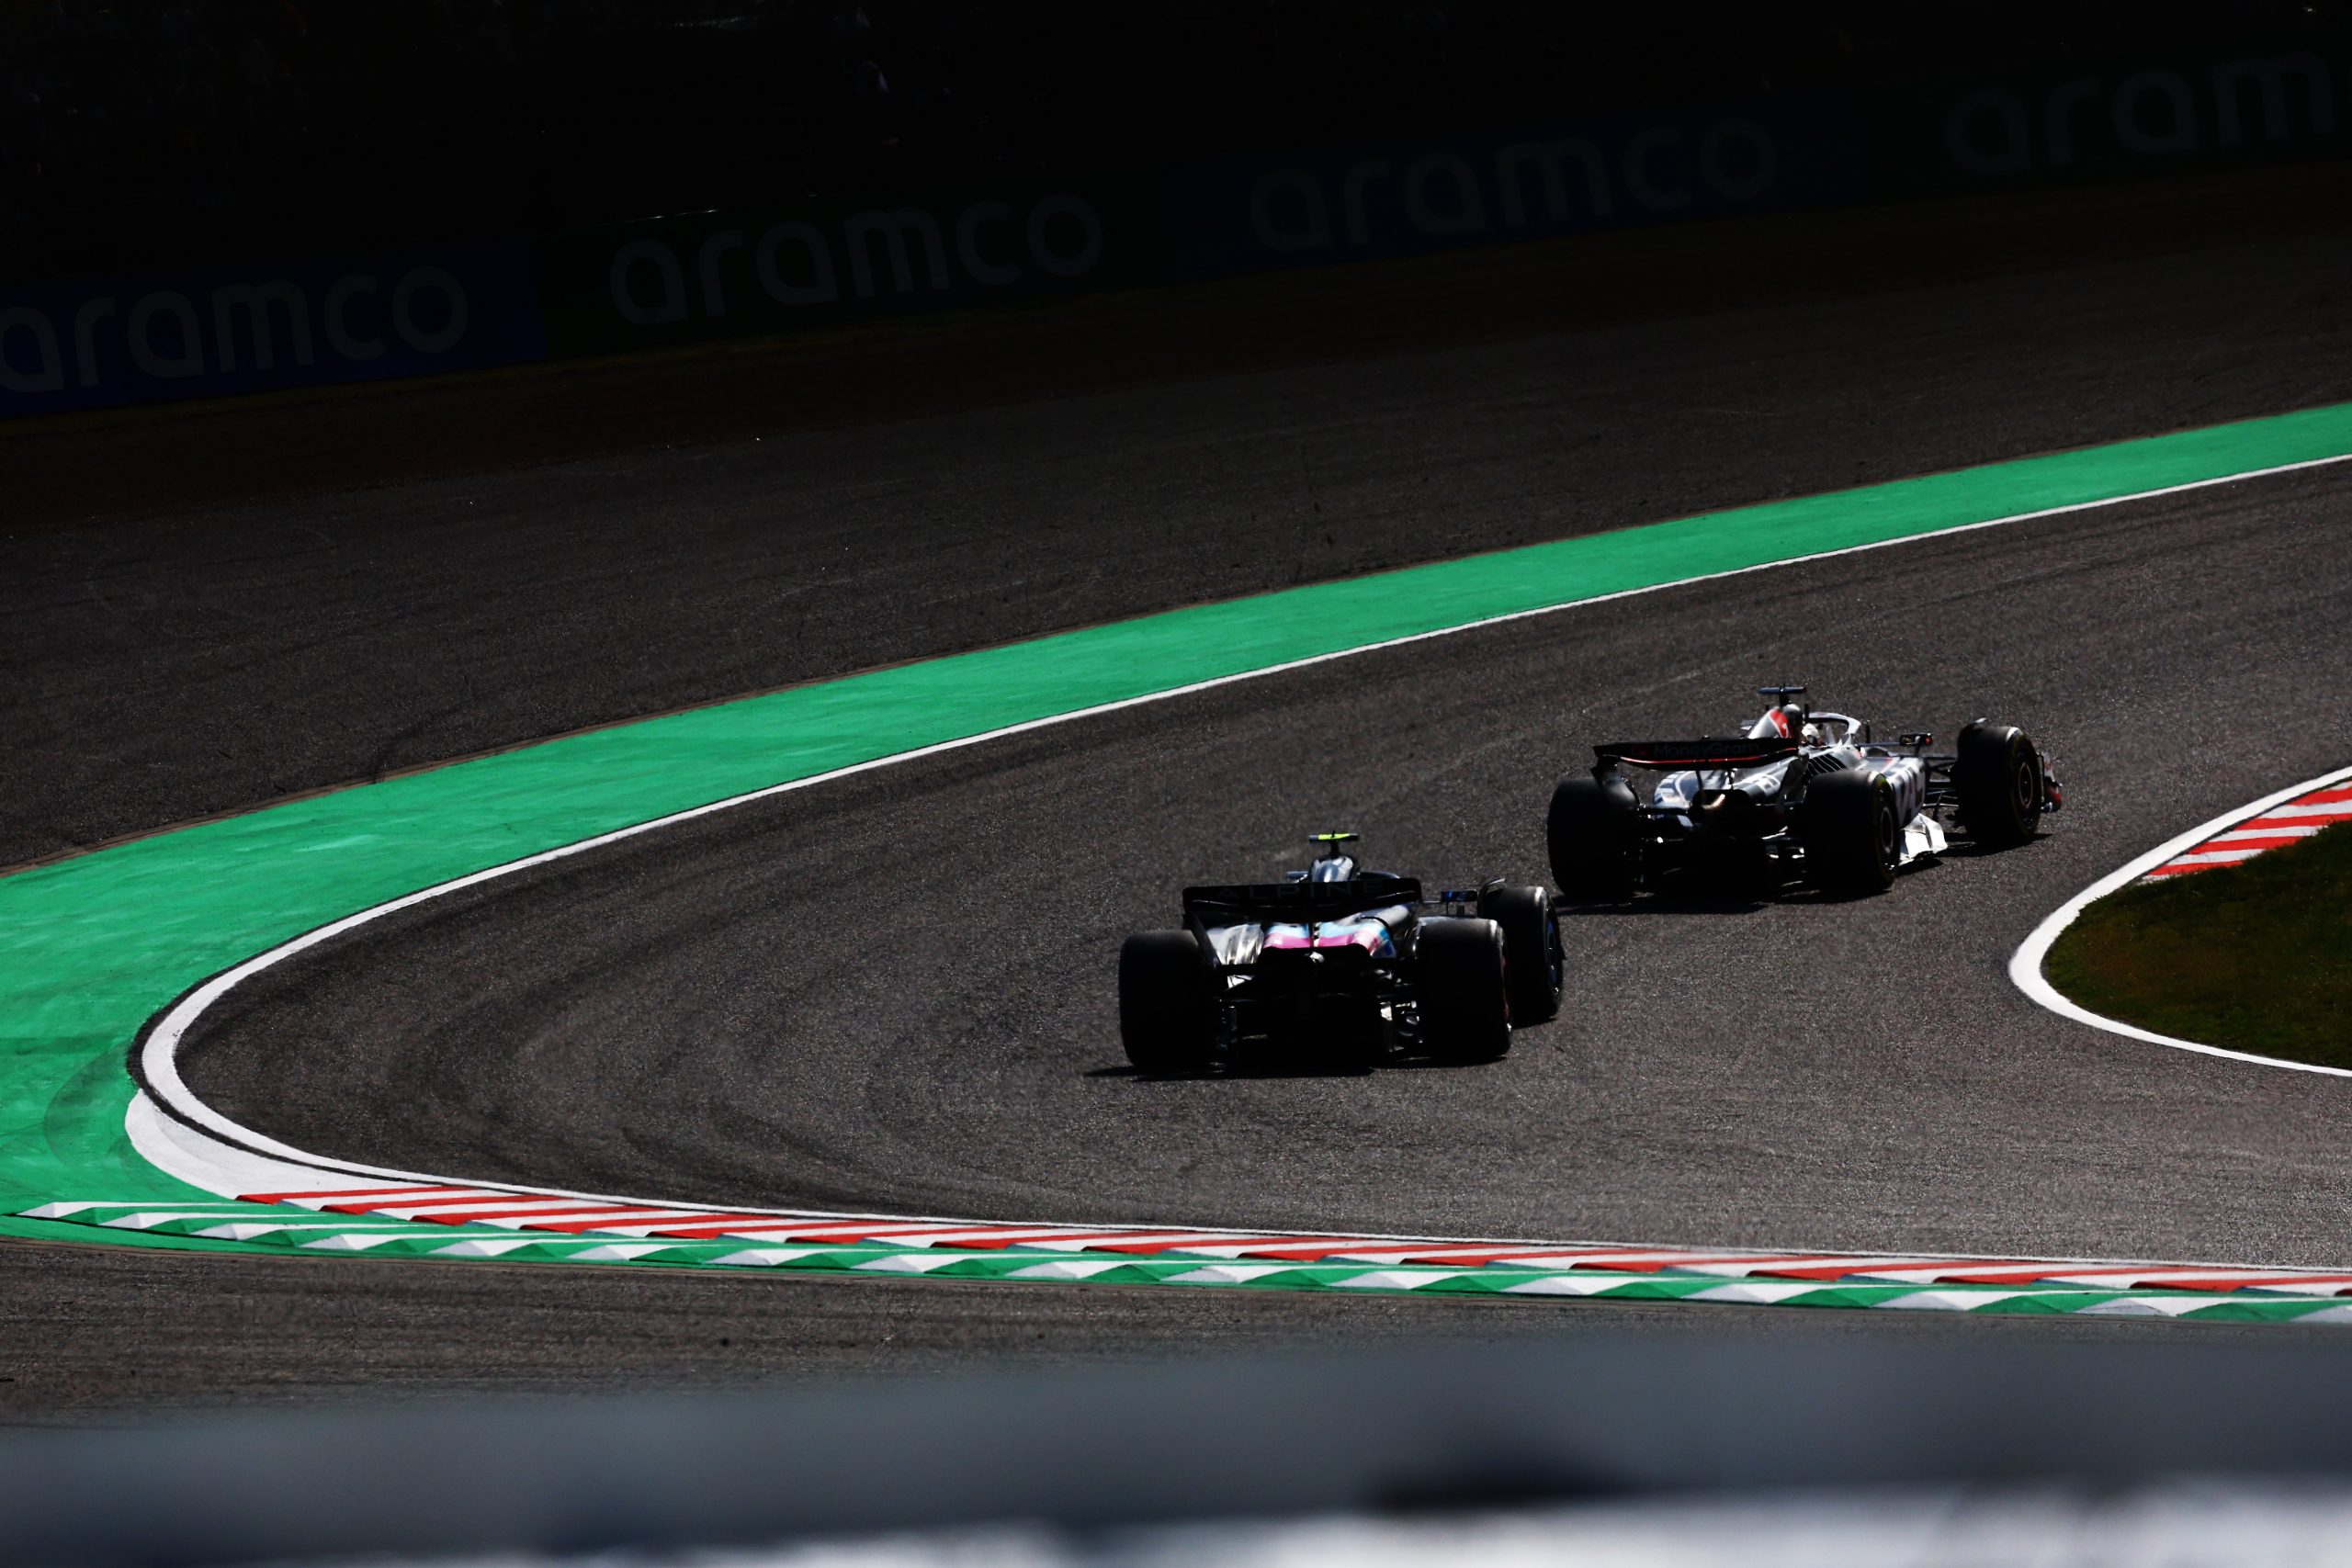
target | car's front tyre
x=1997, y=780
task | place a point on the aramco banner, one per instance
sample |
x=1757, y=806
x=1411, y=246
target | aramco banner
x=2105, y=121
x=815, y=262
x=267, y=326
x=1318, y=206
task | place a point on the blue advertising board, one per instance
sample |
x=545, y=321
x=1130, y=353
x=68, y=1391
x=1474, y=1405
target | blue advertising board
x=1318, y=206
x=107, y=342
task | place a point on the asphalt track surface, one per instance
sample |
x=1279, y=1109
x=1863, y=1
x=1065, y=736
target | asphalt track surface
x=895, y=991
x=163, y=669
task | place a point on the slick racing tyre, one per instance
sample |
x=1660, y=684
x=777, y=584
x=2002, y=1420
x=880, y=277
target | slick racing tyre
x=1465, y=1015
x=1589, y=832
x=1164, y=1011
x=1533, y=965
x=1852, y=840
x=1998, y=778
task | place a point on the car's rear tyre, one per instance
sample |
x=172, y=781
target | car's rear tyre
x=1852, y=840
x=1533, y=968
x=1164, y=1008
x=1464, y=1014
x=1590, y=832
x=1998, y=778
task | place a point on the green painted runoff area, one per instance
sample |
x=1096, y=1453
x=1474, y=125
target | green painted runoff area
x=93, y=946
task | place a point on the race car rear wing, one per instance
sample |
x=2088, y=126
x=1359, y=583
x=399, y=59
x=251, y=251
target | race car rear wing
x=1298, y=903
x=1717, y=751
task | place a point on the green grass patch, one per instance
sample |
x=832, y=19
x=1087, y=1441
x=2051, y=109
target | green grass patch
x=2256, y=956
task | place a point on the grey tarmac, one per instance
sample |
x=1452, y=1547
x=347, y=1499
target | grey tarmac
x=185, y=666
x=896, y=992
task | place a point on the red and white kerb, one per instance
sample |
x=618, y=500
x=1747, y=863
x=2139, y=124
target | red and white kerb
x=2297, y=818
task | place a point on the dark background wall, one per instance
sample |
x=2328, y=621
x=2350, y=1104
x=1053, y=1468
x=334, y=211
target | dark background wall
x=144, y=134
x=245, y=195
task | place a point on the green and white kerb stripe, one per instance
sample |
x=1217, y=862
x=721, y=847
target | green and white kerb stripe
x=427, y=1221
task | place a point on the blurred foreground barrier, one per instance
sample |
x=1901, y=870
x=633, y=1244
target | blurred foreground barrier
x=1606, y=1415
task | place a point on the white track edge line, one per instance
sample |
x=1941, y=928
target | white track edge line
x=158, y=1055
x=2025, y=964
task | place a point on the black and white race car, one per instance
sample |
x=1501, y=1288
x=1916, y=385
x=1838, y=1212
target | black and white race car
x=1342, y=959
x=1803, y=792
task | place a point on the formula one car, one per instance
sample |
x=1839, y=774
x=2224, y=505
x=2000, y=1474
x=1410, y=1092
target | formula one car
x=1803, y=792
x=1341, y=958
